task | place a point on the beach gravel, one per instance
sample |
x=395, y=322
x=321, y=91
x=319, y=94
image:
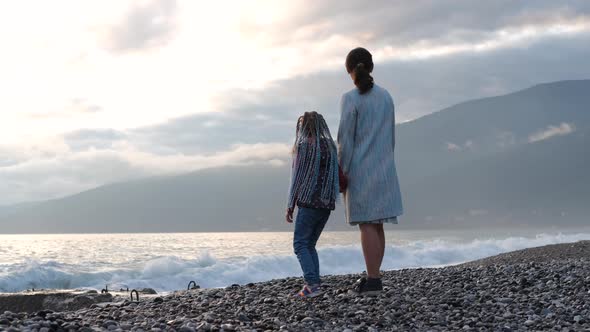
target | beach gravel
x=539, y=289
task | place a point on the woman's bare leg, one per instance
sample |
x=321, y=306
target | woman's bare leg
x=373, y=242
x=381, y=242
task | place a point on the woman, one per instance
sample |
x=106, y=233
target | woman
x=366, y=142
x=314, y=189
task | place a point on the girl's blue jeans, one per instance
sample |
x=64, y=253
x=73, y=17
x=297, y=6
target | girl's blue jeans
x=308, y=228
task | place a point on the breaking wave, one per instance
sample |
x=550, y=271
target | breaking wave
x=168, y=273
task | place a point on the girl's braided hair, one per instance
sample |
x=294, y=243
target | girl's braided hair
x=312, y=132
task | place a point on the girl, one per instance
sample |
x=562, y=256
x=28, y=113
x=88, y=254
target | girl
x=314, y=188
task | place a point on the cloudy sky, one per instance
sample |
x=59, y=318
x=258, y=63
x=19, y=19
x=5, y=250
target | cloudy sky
x=93, y=92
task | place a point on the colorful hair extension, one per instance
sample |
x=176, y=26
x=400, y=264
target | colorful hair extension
x=312, y=132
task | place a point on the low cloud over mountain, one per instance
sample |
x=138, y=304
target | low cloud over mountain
x=470, y=164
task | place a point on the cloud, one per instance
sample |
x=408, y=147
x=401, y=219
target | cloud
x=257, y=126
x=82, y=105
x=44, y=174
x=145, y=25
x=453, y=147
x=418, y=87
x=505, y=139
x=551, y=131
x=85, y=139
x=75, y=107
x=478, y=49
x=399, y=28
x=9, y=156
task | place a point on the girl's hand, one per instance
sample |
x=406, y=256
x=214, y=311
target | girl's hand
x=289, y=216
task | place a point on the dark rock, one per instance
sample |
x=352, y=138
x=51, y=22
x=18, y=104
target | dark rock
x=243, y=318
x=186, y=329
x=108, y=323
x=147, y=291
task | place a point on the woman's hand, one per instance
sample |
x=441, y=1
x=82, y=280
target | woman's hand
x=289, y=216
x=342, y=180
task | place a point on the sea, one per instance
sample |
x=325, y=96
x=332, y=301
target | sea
x=169, y=261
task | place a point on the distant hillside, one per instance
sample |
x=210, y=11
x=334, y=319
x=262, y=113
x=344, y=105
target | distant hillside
x=483, y=127
x=520, y=159
x=225, y=199
x=541, y=183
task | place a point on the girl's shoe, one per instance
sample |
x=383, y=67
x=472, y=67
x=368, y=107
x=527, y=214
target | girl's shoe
x=309, y=291
x=367, y=286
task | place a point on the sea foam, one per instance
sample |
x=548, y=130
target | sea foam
x=168, y=273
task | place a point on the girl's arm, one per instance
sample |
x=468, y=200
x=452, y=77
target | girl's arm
x=292, y=200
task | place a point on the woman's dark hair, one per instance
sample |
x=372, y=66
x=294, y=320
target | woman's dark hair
x=360, y=61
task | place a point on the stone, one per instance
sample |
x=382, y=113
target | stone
x=148, y=291
x=228, y=327
x=243, y=318
x=470, y=297
x=186, y=329
x=209, y=317
x=204, y=326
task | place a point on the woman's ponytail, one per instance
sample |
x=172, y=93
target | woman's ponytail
x=363, y=80
x=360, y=62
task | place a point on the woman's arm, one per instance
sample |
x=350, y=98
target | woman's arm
x=393, y=124
x=346, y=133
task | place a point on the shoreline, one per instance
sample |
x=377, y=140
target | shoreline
x=531, y=289
x=524, y=228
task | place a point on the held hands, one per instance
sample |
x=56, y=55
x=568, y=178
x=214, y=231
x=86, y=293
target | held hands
x=289, y=216
x=342, y=180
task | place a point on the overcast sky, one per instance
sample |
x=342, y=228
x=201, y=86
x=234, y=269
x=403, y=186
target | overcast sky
x=93, y=92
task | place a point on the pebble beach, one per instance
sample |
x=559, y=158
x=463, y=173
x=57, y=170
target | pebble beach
x=538, y=289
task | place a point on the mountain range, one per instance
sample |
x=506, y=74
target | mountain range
x=516, y=159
